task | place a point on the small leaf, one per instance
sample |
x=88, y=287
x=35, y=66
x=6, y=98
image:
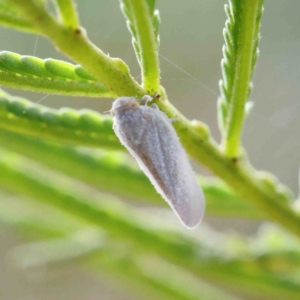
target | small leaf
x=60, y=68
x=65, y=125
x=239, y=59
x=129, y=15
x=10, y=17
x=151, y=4
x=49, y=76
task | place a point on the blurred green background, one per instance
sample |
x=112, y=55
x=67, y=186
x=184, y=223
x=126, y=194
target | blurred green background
x=191, y=38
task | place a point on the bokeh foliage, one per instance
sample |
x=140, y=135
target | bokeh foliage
x=63, y=172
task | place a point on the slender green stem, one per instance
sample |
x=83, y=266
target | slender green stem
x=114, y=74
x=68, y=13
x=147, y=44
x=242, y=76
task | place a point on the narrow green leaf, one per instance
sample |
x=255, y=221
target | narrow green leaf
x=10, y=17
x=241, y=35
x=61, y=68
x=54, y=86
x=65, y=125
x=68, y=14
x=48, y=76
x=143, y=23
x=151, y=4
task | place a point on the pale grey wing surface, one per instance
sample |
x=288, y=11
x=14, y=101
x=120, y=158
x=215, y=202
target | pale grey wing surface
x=155, y=145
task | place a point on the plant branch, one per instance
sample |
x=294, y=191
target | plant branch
x=113, y=73
x=142, y=29
x=241, y=42
x=68, y=13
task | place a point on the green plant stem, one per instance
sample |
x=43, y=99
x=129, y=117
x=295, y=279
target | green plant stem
x=68, y=13
x=147, y=44
x=235, y=173
x=114, y=74
x=242, y=76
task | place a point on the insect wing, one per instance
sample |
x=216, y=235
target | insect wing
x=150, y=137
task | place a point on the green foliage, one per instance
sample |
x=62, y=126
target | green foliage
x=96, y=228
x=48, y=76
x=67, y=13
x=143, y=23
x=64, y=125
x=10, y=17
x=129, y=15
x=231, y=104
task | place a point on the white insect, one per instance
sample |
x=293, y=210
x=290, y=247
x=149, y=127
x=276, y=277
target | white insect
x=149, y=136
